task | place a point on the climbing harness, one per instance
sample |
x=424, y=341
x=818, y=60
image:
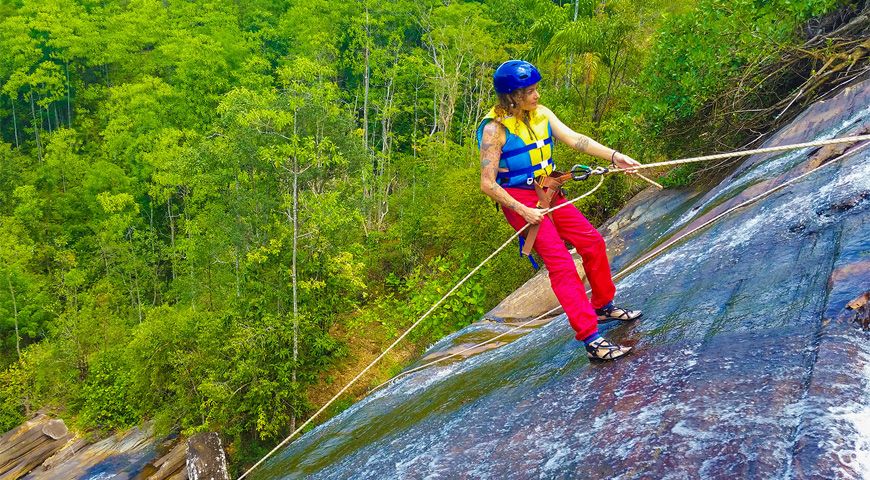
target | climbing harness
x=619, y=275
x=546, y=187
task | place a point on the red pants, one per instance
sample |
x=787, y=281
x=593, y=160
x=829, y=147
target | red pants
x=568, y=224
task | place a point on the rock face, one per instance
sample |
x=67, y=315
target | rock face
x=43, y=449
x=30, y=445
x=752, y=359
x=205, y=457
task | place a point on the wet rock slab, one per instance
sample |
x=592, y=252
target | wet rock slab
x=205, y=459
x=29, y=445
x=43, y=449
x=751, y=362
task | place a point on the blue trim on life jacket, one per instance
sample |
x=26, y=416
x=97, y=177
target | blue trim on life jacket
x=527, y=148
x=528, y=171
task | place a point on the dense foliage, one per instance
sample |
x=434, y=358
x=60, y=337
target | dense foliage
x=201, y=202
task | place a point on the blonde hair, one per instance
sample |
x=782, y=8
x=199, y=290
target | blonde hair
x=507, y=105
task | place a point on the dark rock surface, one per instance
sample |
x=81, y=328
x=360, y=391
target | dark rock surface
x=43, y=449
x=750, y=362
x=205, y=457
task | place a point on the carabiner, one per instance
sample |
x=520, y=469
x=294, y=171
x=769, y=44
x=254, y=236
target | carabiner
x=587, y=171
x=577, y=176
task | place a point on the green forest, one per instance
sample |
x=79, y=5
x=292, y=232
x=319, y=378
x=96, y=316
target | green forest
x=211, y=211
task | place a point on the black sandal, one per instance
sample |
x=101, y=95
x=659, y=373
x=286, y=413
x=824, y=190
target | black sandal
x=603, y=350
x=610, y=312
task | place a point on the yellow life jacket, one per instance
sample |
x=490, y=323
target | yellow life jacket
x=527, y=152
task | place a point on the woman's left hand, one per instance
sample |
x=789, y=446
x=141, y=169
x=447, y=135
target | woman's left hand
x=624, y=161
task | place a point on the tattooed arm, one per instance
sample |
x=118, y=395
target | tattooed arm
x=583, y=143
x=490, y=152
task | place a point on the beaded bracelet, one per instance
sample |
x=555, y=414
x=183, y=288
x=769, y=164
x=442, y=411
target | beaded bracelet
x=612, y=157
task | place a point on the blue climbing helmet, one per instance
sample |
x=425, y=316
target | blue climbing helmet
x=514, y=74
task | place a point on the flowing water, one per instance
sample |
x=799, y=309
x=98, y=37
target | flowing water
x=747, y=363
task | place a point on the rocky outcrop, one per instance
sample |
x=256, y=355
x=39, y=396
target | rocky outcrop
x=43, y=448
x=29, y=445
x=205, y=457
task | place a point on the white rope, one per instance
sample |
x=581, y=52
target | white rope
x=459, y=353
x=618, y=275
x=719, y=156
x=761, y=195
x=412, y=327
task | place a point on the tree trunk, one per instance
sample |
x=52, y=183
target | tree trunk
x=15, y=313
x=190, y=262
x=434, y=117
x=154, y=253
x=14, y=121
x=138, y=296
x=35, y=127
x=68, y=103
x=237, y=248
x=614, y=72
x=171, y=235
x=209, y=286
x=366, y=85
x=47, y=118
x=414, y=134
x=386, y=146
x=293, y=267
x=368, y=190
x=238, y=280
x=585, y=101
x=135, y=279
x=570, y=68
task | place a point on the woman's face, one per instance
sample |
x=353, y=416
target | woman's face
x=528, y=98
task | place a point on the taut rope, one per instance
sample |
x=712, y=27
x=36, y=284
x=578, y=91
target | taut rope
x=620, y=274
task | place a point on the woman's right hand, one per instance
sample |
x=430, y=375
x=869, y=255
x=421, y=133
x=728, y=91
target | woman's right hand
x=532, y=216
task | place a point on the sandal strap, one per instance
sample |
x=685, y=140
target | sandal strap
x=619, y=313
x=610, y=354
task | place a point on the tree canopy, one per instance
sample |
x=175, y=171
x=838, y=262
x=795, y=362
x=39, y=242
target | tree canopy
x=205, y=203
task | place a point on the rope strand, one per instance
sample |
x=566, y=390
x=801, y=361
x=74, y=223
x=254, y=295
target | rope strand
x=618, y=275
x=412, y=327
x=719, y=156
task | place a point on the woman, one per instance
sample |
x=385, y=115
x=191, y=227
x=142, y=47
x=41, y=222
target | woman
x=516, y=142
